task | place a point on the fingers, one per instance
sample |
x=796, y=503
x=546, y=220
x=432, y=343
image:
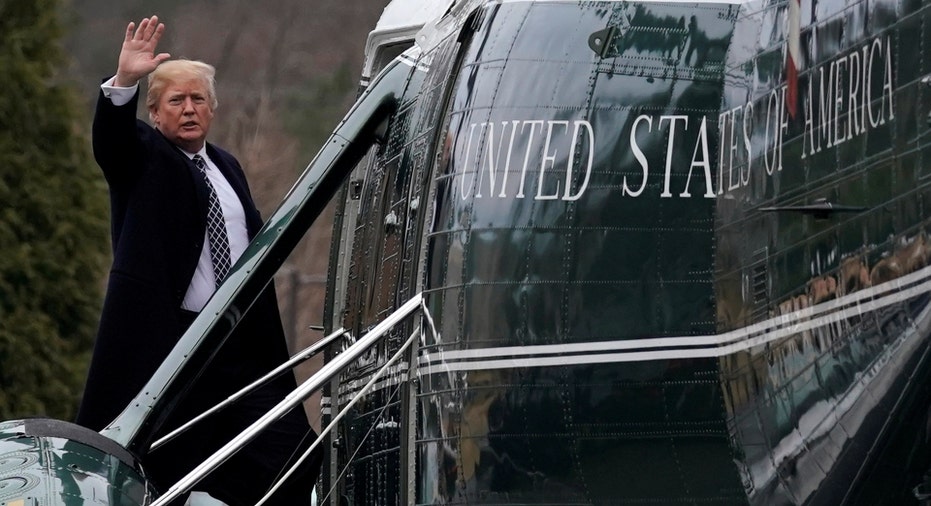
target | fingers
x=159, y=30
x=149, y=30
x=140, y=31
x=129, y=30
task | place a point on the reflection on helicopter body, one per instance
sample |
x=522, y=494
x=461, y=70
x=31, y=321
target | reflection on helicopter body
x=653, y=279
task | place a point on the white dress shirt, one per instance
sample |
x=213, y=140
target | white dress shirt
x=203, y=284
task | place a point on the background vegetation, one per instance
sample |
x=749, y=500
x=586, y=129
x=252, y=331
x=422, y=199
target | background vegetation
x=52, y=221
x=287, y=72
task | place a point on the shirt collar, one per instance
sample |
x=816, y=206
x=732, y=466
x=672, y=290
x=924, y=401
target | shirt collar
x=202, y=153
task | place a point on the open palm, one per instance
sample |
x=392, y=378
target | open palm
x=137, y=57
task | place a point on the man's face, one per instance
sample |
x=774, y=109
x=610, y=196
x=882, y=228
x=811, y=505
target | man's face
x=183, y=114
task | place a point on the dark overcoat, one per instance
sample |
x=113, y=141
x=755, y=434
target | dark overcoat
x=158, y=203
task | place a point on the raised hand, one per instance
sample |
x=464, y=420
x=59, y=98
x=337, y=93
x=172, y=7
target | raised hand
x=137, y=57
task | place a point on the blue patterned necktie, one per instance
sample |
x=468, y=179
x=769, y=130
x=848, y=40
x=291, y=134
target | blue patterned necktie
x=216, y=228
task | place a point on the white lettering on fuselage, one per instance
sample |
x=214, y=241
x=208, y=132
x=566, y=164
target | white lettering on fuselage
x=554, y=159
x=843, y=100
x=491, y=174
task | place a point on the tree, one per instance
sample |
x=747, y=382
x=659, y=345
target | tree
x=53, y=220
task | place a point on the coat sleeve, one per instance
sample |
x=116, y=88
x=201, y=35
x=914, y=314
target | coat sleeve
x=116, y=137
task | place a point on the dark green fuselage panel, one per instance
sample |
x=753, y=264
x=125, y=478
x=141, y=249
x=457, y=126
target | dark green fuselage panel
x=662, y=268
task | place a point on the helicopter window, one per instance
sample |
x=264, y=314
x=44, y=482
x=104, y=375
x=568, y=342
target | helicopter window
x=388, y=52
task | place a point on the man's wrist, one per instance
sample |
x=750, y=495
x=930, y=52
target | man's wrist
x=123, y=81
x=119, y=95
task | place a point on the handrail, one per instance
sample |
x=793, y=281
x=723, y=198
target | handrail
x=345, y=409
x=315, y=382
x=427, y=319
x=298, y=357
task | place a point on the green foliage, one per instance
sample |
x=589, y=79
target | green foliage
x=53, y=229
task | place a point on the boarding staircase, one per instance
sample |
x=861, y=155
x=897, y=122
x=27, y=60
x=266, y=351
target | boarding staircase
x=413, y=312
